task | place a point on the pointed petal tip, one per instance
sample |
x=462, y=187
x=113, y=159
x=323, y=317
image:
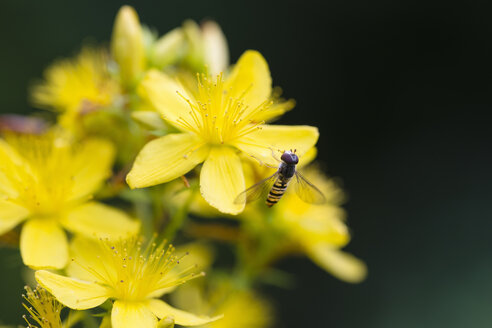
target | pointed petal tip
x=342, y=265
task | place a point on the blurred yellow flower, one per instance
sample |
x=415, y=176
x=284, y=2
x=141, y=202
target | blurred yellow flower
x=133, y=275
x=216, y=121
x=48, y=181
x=319, y=230
x=75, y=87
x=43, y=309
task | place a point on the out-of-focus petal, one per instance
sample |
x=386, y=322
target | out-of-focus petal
x=308, y=157
x=272, y=138
x=222, y=180
x=165, y=159
x=342, y=265
x=97, y=220
x=11, y=215
x=91, y=166
x=74, y=293
x=314, y=224
x=9, y=154
x=250, y=80
x=162, y=310
x=132, y=315
x=43, y=244
x=10, y=164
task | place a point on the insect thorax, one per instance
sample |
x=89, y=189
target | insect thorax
x=287, y=171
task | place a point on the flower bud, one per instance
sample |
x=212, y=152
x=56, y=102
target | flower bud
x=216, y=52
x=168, y=49
x=127, y=46
x=194, y=58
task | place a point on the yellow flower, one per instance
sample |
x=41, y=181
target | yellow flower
x=43, y=308
x=133, y=276
x=74, y=87
x=222, y=118
x=319, y=230
x=48, y=181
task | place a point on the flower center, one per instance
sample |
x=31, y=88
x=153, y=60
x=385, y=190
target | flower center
x=134, y=272
x=44, y=179
x=217, y=117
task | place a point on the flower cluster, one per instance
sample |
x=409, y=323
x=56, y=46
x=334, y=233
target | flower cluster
x=158, y=141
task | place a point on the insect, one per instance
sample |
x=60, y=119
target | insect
x=275, y=185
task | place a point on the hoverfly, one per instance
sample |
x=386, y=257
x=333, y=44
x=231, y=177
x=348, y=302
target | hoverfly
x=275, y=185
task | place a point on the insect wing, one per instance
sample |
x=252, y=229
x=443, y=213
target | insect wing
x=307, y=191
x=258, y=190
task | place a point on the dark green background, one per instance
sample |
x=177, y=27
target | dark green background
x=401, y=91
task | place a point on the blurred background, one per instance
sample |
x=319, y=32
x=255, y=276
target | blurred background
x=401, y=92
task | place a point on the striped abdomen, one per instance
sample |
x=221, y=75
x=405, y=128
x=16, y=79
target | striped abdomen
x=277, y=191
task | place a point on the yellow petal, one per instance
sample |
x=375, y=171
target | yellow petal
x=275, y=110
x=43, y=244
x=82, y=250
x=92, y=165
x=165, y=159
x=97, y=220
x=308, y=157
x=132, y=314
x=162, y=92
x=313, y=224
x=222, y=180
x=6, y=187
x=342, y=265
x=10, y=215
x=9, y=154
x=250, y=80
x=74, y=293
x=183, y=318
x=11, y=162
x=261, y=143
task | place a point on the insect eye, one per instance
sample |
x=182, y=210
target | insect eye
x=290, y=158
